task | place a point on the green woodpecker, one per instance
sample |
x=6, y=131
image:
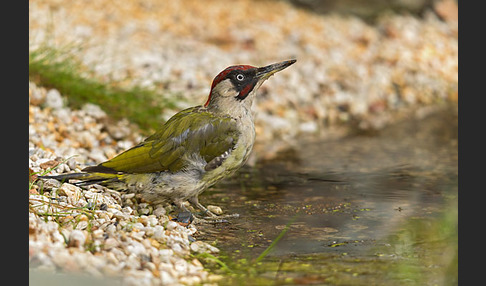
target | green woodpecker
x=194, y=149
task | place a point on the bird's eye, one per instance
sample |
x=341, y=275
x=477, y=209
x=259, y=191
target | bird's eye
x=240, y=77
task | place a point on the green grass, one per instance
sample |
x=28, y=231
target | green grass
x=275, y=241
x=60, y=69
x=33, y=175
x=426, y=249
x=240, y=271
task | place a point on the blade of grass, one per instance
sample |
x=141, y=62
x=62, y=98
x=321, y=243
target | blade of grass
x=277, y=239
x=208, y=256
x=33, y=176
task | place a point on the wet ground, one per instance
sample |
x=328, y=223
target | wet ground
x=375, y=209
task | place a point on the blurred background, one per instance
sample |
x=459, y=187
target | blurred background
x=361, y=64
x=359, y=136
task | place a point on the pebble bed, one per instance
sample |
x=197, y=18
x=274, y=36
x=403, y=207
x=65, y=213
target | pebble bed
x=348, y=73
x=97, y=231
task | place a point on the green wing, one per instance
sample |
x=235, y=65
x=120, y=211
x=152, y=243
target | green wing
x=191, y=131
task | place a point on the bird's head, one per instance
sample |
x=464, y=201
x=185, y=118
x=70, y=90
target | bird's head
x=236, y=85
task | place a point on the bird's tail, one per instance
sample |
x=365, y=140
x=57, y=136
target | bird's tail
x=86, y=179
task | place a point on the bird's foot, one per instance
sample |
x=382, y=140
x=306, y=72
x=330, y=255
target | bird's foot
x=204, y=217
x=185, y=218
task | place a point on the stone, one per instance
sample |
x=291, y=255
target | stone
x=77, y=238
x=93, y=110
x=159, y=211
x=54, y=99
x=215, y=209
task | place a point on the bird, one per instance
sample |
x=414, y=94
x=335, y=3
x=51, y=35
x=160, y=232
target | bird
x=193, y=150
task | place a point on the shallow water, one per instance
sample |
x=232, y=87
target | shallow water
x=378, y=208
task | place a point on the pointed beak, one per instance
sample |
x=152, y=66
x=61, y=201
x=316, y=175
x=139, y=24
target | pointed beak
x=267, y=71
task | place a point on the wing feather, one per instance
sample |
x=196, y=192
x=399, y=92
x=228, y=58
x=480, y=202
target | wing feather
x=191, y=131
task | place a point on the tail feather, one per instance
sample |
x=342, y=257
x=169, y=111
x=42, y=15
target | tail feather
x=86, y=179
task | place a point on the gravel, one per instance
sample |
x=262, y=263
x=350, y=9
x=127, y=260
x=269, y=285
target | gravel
x=96, y=231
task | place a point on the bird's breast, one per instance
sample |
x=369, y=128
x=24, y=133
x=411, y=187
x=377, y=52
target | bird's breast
x=238, y=155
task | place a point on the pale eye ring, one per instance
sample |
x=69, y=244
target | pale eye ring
x=240, y=77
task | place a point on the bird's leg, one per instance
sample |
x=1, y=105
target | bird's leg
x=211, y=216
x=186, y=217
x=180, y=205
x=195, y=201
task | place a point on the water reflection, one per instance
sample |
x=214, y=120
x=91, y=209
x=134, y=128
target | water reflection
x=349, y=195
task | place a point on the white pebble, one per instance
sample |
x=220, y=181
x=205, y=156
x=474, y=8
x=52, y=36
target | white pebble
x=160, y=211
x=54, y=99
x=76, y=239
x=93, y=110
x=171, y=225
x=215, y=209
